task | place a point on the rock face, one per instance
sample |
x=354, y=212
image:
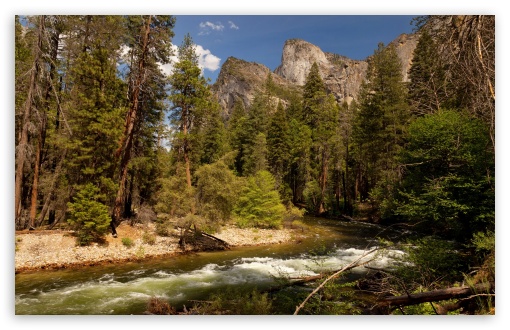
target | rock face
x=297, y=59
x=341, y=75
x=239, y=79
x=405, y=45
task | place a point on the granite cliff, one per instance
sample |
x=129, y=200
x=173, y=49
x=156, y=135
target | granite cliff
x=342, y=76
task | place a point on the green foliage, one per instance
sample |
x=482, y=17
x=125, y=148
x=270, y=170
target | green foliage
x=255, y=157
x=161, y=227
x=127, y=242
x=149, y=238
x=293, y=213
x=428, y=89
x=217, y=191
x=380, y=123
x=484, y=241
x=259, y=203
x=175, y=197
x=278, y=143
x=335, y=298
x=88, y=216
x=429, y=261
x=312, y=195
x=247, y=303
x=448, y=184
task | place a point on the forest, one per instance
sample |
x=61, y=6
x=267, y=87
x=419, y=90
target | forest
x=103, y=136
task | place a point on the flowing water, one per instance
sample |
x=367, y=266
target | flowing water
x=127, y=288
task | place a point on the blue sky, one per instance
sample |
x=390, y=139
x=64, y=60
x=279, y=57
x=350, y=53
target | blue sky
x=260, y=38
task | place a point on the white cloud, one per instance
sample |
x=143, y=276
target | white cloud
x=207, y=27
x=167, y=68
x=233, y=26
x=206, y=60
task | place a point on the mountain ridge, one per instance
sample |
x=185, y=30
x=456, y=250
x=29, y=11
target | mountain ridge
x=342, y=76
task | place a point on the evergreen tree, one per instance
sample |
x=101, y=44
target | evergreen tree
x=149, y=39
x=217, y=191
x=189, y=94
x=428, y=86
x=379, y=125
x=98, y=106
x=238, y=137
x=278, y=144
x=256, y=127
x=259, y=203
x=320, y=113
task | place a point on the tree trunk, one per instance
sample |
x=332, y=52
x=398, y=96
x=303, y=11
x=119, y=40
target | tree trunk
x=436, y=295
x=23, y=142
x=126, y=144
x=37, y=165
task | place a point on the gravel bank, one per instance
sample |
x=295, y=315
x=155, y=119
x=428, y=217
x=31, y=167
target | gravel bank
x=57, y=249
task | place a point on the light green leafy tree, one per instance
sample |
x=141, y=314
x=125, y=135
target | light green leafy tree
x=259, y=203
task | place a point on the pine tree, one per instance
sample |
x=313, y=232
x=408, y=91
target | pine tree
x=189, y=96
x=278, y=144
x=428, y=87
x=238, y=137
x=98, y=103
x=149, y=38
x=320, y=113
x=379, y=128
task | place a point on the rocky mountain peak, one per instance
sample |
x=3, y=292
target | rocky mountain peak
x=341, y=75
x=297, y=59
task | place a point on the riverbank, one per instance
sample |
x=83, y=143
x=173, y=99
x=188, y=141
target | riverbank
x=56, y=249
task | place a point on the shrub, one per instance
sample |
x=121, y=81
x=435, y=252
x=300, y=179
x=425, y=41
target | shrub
x=159, y=306
x=162, y=227
x=127, y=242
x=259, y=204
x=149, y=238
x=88, y=216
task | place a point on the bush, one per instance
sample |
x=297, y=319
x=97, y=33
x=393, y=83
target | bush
x=149, y=238
x=259, y=204
x=127, y=242
x=429, y=261
x=237, y=303
x=159, y=306
x=88, y=216
x=162, y=227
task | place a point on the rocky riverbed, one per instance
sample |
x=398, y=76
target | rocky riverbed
x=55, y=249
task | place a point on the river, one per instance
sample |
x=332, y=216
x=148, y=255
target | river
x=122, y=289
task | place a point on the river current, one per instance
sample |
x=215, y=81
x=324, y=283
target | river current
x=126, y=288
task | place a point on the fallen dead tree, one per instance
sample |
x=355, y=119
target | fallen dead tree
x=197, y=240
x=436, y=295
x=356, y=263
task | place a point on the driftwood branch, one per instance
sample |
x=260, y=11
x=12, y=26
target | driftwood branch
x=356, y=263
x=436, y=295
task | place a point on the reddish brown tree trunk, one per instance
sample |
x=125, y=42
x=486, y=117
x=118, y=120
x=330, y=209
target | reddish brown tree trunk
x=37, y=166
x=126, y=144
x=23, y=142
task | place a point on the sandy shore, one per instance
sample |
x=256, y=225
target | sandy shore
x=56, y=249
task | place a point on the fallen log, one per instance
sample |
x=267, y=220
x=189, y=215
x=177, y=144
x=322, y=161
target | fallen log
x=199, y=241
x=436, y=295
